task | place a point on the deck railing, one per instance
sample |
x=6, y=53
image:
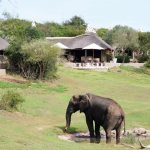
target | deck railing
x=92, y=66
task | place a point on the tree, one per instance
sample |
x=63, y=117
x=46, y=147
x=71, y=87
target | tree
x=14, y=29
x=144, y=46
x=53, y=29
x=122, y=38
x=144, y=41
x=76, y=21
x=73, y=27
x=19, y=30
x=33, y=33
x=102, y=32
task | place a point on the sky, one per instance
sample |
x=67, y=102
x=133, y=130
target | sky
x=96, y=13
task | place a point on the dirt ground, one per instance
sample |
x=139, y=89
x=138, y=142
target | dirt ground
x=14, y=79
x=80, y=137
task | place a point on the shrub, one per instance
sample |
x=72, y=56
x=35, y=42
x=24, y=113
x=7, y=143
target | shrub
x=121, y=58
x=142, y=58
x=147, y=64
x=40, y=60
x=14, y=55
x=37, y=59
x=11, y=101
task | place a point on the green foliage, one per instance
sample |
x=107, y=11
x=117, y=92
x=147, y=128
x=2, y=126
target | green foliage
x=39, y=61
x=14, y=55
x=123, y=59
x=52, y=29
x=142, y=58
x=33, y=33
x=11, y=101
x=75, y=21
x=147, y=64
x=19, y=30
x=14, y=29
x=73, y=27
x=70, y=30
x=122, y=38
x=34, y=60
x=102, y=32
x=144, y=38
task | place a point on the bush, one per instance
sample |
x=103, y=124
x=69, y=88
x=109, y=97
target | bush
x=142, y=58
x=40, y=60
x=14, y=55
x=11, y=101
x=147, y=64
x=120, y=59
x=37, y=59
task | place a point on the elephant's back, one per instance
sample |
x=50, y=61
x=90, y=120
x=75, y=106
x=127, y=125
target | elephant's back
x=106, y=104
x=99, y=100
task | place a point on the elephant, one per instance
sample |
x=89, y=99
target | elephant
x=103, y=111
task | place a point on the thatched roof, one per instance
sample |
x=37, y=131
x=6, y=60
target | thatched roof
x=3, y=44
x=81, y=41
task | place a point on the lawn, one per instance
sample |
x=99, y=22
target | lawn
x=42, y=116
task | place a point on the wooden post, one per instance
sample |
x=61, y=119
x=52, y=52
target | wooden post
x=85, y=55
x=93, y=54
x=100, y=55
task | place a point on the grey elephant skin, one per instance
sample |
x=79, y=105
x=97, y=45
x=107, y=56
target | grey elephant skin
x=103, y=111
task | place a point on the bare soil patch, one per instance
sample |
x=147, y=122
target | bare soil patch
x=10, y=78
x=82, y=137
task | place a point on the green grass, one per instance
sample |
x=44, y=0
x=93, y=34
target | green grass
x=4, y=84
x=42, y=116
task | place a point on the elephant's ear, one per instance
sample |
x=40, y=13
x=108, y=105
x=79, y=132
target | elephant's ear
x=84, y=103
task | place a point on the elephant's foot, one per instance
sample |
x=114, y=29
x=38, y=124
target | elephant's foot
x=95, y=140
x=92, y=140
x=98, y=140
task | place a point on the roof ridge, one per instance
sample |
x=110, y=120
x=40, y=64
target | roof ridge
x=59, y=37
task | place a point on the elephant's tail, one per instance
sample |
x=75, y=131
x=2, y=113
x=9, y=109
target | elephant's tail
x=123, y=117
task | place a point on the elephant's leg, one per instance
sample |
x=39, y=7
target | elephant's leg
x=108, y=135
x=97, y=132
x=118, y=133
x=89, y=123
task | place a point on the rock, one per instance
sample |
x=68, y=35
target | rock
x=139, y=131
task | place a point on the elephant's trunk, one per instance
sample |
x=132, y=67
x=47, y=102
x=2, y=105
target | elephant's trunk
x=69, y=112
